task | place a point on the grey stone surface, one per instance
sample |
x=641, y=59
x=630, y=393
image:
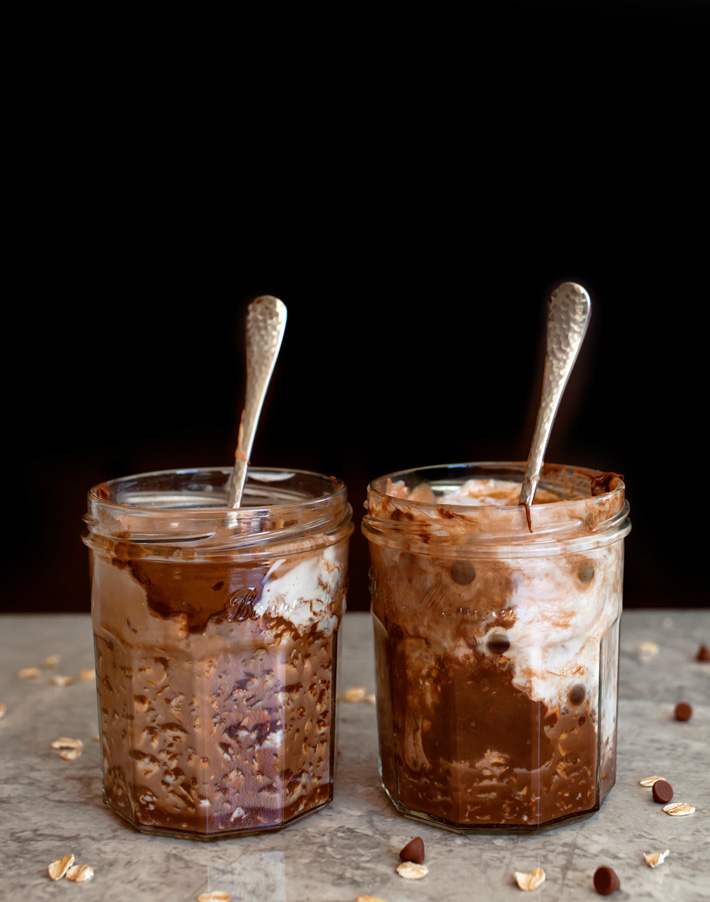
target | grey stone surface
x=49, y=807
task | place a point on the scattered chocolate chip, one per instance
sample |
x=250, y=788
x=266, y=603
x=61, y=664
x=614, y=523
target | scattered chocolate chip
x=683, y=711
x=463, y=572
x=585, y=574
x=662, y=791
x=577, y=694
x=498, y=645
x=606, y=881
x=703, y=654
x=413, y=851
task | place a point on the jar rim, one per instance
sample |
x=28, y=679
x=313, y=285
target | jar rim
x=508, y=469
x=262, y=478
x=185, y=513
x=592, y=510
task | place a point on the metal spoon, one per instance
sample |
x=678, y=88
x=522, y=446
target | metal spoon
x=266, y=322
x=568, y=313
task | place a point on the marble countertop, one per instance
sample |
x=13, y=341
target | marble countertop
x=50, y=806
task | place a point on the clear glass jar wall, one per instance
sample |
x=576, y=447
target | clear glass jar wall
x=216, y=640
x=496, y=642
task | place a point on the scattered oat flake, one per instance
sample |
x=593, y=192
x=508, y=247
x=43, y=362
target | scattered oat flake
x=648, y=649
x=58, y=680
x=530, y=881
x=88, y=674
x=70, y=754
x=654, y=859
x=28, y=673
x=649, y=781
x=80, y=873
x=64, y=742
x=214, y=897
x=412, y=871
x=679, y=809
x=356, y=694
x=58, y=868
x=52, y=660
x=369, y=899
x=3, y=709
x=96, y=737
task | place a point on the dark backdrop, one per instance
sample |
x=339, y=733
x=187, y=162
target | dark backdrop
x=414, y=222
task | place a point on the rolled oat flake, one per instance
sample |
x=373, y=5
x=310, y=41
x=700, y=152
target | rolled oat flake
x=679, y=809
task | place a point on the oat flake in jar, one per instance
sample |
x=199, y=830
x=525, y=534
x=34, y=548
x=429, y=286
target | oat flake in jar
x=496, y=643
x=215, y=634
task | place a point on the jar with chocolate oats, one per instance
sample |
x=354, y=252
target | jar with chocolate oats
x=216, y=633
x=496, y=642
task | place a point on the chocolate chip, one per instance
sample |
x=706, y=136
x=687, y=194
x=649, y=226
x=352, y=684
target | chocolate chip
x=606, y=881
x=577, y=694
x=498, y=645
x=683, y=711
x=662, y=791
x=413, y=851
x=463, y=572
x=703, y=653
x=585, y=574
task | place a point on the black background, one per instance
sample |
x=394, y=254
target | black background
x=412, y=179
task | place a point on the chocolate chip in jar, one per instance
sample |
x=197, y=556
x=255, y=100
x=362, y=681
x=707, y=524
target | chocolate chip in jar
x=585, y=573
x=683, y=711
x=577, y=694
x=463, y=572
x=498, y=645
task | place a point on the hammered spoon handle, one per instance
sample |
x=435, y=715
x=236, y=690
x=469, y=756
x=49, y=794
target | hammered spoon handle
x=266, y=322
x=568, y=313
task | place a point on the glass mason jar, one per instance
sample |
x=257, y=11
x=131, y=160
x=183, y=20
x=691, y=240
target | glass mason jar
x=496, y=642
x=215, y=636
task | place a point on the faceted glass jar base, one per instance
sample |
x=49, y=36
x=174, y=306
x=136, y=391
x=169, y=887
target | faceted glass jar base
x=210, y=837
x=469, y=829
x=228, y=744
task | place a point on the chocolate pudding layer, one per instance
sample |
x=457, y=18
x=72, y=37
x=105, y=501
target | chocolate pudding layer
x=216, y=637
x=496, y=642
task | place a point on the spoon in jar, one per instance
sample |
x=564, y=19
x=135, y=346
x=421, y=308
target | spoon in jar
x=266, y=322
x=568, y=313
